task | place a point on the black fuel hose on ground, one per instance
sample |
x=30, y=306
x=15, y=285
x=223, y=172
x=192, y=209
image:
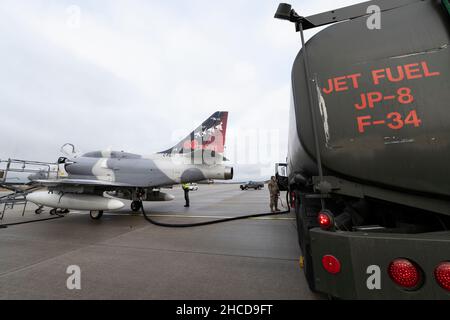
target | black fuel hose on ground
x=207, y=223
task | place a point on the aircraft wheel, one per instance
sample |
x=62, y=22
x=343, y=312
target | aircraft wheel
x=135, y=206
x=38, y=211
x=53, y=212
x=96, y=215
x=65, y=211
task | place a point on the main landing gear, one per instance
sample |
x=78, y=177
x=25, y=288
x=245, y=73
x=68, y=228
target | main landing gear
x=136, y=206
x=96, y=215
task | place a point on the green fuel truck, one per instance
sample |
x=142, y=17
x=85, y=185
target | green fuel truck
x=368, y=167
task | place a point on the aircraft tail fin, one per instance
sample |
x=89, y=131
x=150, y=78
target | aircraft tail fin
x=209, y=136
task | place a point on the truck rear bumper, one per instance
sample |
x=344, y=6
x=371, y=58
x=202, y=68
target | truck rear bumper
x=362, y=254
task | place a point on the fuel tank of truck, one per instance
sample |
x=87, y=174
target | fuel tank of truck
x=382, y=98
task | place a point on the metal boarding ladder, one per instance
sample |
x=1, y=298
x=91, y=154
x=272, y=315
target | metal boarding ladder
x=21, y=173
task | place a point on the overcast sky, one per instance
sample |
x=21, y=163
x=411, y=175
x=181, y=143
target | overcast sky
x=136, y=75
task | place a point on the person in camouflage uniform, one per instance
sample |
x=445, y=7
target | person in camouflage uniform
x=274, y=194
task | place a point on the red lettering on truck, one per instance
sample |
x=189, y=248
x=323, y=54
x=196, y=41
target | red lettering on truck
x=340, y=84
x=394, y=121
x=375, y=99
x=368, y=100
x=410, y=71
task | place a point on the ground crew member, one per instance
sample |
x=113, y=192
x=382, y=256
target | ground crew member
x=274, y=194
x=186, y=194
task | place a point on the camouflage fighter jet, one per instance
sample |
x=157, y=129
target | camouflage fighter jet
x=98, y=181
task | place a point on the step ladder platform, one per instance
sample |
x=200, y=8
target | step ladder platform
x=16, y=177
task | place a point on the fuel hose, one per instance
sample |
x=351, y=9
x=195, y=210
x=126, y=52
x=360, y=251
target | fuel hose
x=217, y=221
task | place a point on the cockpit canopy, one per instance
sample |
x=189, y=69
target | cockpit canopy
x=111, y=155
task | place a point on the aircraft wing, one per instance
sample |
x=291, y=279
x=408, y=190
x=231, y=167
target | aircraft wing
x=80, y=182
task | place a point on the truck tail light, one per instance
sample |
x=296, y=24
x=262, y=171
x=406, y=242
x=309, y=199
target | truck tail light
x=442, y=275
x=325, y=220
x=331, y=264
x=293, y=198
x=405, y=274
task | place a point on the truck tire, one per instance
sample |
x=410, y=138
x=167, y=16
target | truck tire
x=306, y=212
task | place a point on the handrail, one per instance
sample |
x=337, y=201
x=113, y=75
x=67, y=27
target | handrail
x=26, y=166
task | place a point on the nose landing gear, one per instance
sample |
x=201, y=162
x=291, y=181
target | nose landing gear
x=54, y=212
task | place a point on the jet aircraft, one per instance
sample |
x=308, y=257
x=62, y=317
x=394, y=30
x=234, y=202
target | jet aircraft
x=99, y=181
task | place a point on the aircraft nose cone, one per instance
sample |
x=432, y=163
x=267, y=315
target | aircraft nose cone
x=115, y=204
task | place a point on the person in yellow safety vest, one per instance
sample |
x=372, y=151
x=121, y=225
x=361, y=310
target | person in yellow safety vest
x=186, y=194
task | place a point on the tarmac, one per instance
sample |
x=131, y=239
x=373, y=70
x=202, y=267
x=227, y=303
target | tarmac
x=122, y=256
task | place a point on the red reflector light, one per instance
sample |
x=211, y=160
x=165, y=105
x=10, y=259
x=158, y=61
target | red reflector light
x=331, y=264
x=442, y=275
x=324, y=220
x=405, y=273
